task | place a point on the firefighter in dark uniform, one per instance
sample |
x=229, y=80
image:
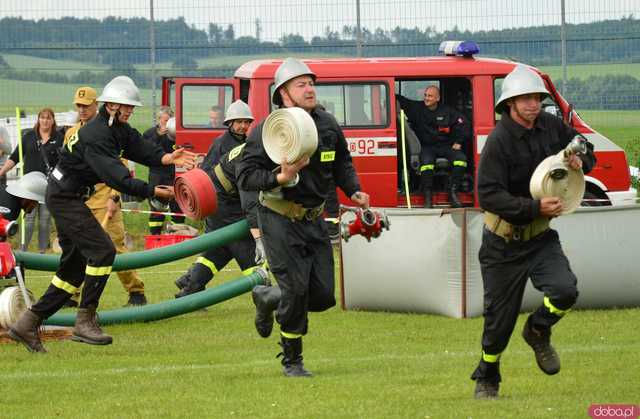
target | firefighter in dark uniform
x=162, y=175
x=517, y=242
x=91, y=156
x=442, y=132
x=296, y=240
x=24, y=194
x=232, y=205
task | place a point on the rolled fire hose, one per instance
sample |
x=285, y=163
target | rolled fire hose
x=195, y=194
x=12, y=305
x=170, y=308
x=289, y=134
x=554, y=178
x=157, y=256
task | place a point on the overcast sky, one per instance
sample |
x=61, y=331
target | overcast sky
x=310, y=17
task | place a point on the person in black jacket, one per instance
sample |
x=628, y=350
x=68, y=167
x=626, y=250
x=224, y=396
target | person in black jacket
x=517, y=242
x=442, y=132
x=220, y=163
x=92, y=155
x=233, y=205
x=295, y=236
x=40, y=150
x=24, y=194
x=162, y=175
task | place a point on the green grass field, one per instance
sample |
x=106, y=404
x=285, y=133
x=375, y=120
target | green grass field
x=369, y=365
x=584, y=71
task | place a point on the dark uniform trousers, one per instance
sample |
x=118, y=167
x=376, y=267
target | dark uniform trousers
x=300, y=257
x=213, y=260
x=505, y=270
x=428, y=155
x=87, y=253
x=157, y=220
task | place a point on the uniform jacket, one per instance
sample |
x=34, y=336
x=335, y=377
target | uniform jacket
x=221, y=146
x=330, y=160
x=168, y=145
x=93, y=155
x=509, y=158
x=441, y=127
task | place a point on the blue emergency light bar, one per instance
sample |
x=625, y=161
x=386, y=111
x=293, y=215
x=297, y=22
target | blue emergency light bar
x=464, y=48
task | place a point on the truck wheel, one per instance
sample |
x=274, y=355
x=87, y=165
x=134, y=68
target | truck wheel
x=592, y=199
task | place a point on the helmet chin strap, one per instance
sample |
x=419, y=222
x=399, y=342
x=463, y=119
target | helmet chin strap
x=113, y=112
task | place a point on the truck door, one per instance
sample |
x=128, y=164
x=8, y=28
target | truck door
x=200, y=104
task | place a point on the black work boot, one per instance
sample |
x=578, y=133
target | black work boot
x=136, y=299
x=191, y=288
x=292, y=365
x=453, y=197
x=428, y=198
x=25, y=331
x=266, y=299
x=540, y=340
x=87, y=330
x=183, y=281
x=486, y=389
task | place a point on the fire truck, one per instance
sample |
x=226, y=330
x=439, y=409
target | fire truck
x=427, y=262
x=361, y=94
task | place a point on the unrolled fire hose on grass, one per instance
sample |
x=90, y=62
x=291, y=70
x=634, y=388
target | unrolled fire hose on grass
x=554, y=178
x=171, y=308
x=157, y=256
x=195, y=194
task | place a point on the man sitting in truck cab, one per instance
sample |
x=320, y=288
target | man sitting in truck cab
x=442, y=133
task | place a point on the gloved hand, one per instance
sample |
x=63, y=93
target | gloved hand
x=261, y=255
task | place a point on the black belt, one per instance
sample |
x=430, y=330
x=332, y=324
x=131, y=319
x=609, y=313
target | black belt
x=69, y=185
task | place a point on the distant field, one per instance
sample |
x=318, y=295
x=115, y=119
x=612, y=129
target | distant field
x=584, y=71
x=26, y=62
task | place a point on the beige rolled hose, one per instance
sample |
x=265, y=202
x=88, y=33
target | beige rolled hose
x=569, y=188
x=12, y=305
x=289, y=134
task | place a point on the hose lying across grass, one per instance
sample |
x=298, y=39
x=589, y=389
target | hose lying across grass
x=157, y=256
x=170, y=308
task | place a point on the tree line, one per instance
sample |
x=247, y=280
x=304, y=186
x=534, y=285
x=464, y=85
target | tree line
x=119, y=43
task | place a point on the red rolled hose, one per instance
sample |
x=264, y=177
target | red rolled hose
x=195, y=194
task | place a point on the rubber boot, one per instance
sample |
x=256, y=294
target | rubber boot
x=266, y=299
x=540, y=340
x=136, y=299
x=87, y=330
x=25, y=331
x=453, y=197
x=183, y=281
x=428, y=198
x=193, y=285
x=292, y=365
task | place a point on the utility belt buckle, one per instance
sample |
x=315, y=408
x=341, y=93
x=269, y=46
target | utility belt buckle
x=312, y=213
x=86, y=192
x=517, y=232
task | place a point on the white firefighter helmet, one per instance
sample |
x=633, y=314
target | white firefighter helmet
x=30, y=186
x=238, y=110
x=288, y=70
x=521, y=81
x=171, y=127
x=121, y=90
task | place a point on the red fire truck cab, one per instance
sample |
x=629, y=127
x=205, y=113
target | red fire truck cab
x=361, y=93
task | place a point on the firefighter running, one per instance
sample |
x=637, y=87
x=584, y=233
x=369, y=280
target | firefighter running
x=517, y=242
x=233, y=206
x=92, y=156
x=295, y=236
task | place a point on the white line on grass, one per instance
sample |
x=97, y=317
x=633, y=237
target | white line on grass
x=22, y=375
